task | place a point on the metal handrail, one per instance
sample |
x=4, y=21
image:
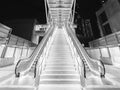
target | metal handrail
x=82, y=75
x=93, y=64
x=103, y=71
x=40, y=66
x=24, y=65
x=83, y=65
x=36, y=66
x=80, y=66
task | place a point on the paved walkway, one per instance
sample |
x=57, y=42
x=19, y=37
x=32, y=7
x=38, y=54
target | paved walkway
x=113, y=73
x=6, y=72
x=8, y=68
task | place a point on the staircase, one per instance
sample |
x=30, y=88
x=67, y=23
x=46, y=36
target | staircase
x=60, y=72
x=60, y=68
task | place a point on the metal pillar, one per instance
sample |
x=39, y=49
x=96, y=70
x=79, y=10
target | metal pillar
x=73, y=11
x=46, y=10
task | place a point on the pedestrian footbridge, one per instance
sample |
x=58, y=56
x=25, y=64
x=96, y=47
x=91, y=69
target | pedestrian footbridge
x=59, y=62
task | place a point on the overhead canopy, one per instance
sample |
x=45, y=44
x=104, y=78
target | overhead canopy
x=60, y=10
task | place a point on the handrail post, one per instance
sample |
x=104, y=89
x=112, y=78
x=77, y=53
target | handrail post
x=82, y=77
x=102, y=70
x=81, y=68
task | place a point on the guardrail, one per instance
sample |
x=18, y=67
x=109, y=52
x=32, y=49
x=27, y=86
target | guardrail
x=108, y=54
x=79, y=65
x=41, y=63
x=94, y=65
x=24, y=65
x=102, y=69
x=111, y=39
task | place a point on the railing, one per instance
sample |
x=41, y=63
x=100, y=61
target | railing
x=24, y=65
x=76, y=55
x=40, y=66
x=82, y=71
x=95, y=66
x=109, y=54
x=43, y=56
x=102, y=69
x=111, y=39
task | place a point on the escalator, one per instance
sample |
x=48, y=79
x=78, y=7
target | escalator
x=24, y=77
x=94, y=70
x=61, y=69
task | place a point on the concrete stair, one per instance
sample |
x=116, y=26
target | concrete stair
x=60, y=69
x=59, y=72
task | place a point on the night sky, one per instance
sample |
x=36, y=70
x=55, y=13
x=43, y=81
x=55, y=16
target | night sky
x=22, y=9
x=17, y=9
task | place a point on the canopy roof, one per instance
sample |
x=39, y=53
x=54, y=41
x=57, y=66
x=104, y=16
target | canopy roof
x=60, y=10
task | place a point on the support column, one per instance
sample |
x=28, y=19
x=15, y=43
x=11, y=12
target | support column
x=73, y=11
x=46, y=10
x=100, y=26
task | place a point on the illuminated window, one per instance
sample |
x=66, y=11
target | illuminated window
x=106, y=29
x=103, y=17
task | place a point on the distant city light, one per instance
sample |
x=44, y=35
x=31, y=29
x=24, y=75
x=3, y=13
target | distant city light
x=103, y=1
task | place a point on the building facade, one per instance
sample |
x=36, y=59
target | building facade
x=84, y=31
x=108, y=17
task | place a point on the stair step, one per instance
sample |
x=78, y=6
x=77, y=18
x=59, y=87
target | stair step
x=59, y=68
x=65, y=52
x=59, y=82
x=55, y=62
x=68, y=58
x=75, y=79
x=68, y=63
x=62, y=65
x=60, y=72
x=60, y=60
x=60, y=87
x=60, y=53
x=59, y=76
